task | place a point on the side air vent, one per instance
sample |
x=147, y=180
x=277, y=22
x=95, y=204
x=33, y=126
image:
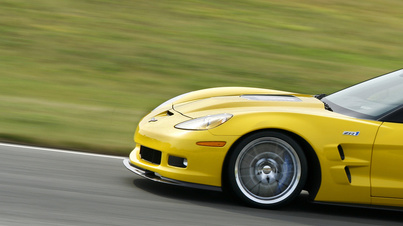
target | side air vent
x=341, y=152
x=348, y=173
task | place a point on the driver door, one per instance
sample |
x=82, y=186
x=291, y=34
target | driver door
x=387, y=161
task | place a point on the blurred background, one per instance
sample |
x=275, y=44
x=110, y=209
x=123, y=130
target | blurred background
x=80, y=74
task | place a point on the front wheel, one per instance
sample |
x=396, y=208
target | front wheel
x=267, y=169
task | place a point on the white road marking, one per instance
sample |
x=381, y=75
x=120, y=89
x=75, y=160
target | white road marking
x=59, y=150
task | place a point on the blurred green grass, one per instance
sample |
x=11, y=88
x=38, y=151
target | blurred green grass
x=79, y=74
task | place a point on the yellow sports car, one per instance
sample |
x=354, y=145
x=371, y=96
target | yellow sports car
x=265, y=146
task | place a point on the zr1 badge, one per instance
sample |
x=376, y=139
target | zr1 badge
x=350, y=133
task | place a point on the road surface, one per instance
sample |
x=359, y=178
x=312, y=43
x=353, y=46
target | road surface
x=51, y=187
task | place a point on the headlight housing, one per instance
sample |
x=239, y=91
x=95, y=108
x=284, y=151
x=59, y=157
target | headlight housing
x=205, y=123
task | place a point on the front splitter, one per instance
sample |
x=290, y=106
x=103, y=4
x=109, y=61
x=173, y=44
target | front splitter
x=158, y=178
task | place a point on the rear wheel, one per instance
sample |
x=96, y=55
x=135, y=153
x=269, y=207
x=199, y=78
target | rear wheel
x=267, y=169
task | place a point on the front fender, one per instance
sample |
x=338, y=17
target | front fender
x=326, y=135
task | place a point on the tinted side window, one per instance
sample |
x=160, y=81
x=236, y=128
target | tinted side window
x=396, y=116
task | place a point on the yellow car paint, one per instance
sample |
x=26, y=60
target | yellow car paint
x=344, y=157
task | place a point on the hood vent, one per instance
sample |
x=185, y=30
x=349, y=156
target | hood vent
x=263, y=97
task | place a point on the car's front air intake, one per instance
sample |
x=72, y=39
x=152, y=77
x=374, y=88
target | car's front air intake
x=150, y=155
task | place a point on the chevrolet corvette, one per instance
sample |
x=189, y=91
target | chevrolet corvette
x=265, y=146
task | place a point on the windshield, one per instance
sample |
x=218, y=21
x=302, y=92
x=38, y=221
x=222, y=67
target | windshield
x=370, y=99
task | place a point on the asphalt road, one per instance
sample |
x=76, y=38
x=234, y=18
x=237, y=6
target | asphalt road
x=49, y=187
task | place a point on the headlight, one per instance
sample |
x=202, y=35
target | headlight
x=170, y=101
x=204, y=123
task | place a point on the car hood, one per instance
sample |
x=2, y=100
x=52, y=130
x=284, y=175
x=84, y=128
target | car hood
x=248, y=102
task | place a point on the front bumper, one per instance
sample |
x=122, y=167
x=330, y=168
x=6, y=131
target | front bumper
x=158, y=142
x=158, y=178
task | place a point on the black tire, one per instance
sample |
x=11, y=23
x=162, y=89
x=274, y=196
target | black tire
x=266, y=170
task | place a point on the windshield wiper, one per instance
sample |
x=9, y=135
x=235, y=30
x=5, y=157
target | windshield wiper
x=320, y=97
x=327, y=107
